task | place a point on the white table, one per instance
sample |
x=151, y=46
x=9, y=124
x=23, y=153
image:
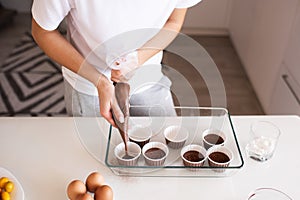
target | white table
x=45, y=154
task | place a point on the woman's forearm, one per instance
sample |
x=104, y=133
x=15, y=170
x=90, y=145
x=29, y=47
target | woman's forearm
x=164, y=37
x=60, y=50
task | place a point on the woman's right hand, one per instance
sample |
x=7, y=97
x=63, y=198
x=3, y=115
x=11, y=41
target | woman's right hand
x=108, y=102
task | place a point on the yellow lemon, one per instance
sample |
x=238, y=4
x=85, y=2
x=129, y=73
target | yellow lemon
x=9, y=186
x=5, y=196
x=3, y=181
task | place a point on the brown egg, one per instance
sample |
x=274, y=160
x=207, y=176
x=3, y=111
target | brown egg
x=104, y=192
x=75, y=188
x=93, y=181
x=84, y=196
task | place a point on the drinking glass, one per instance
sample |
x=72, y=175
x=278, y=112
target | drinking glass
x=264, y=137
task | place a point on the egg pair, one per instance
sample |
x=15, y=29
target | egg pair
x=77, y=190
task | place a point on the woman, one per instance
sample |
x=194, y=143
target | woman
x=110, y=41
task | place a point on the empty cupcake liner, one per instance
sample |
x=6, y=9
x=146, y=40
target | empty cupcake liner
x=140, y=135
x=176, y=136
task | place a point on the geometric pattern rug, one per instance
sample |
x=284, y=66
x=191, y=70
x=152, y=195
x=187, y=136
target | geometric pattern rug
x=31, y=84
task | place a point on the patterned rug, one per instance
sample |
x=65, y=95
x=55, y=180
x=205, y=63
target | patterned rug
x=31, y=84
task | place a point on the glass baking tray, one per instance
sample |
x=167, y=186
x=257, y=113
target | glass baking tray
x=196, y=120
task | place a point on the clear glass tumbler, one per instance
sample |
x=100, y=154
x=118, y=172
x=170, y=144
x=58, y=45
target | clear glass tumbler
x=264, y=137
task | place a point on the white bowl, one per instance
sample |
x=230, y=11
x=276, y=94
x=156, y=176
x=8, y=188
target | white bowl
x=219, y=166
x=17, y=193
x=176, y=136
x=159, y=161
x=134, y=150
x=140, y=135
x=208, y=144
x=193, y=147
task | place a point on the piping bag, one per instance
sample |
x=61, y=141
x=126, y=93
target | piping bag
x=122, y=90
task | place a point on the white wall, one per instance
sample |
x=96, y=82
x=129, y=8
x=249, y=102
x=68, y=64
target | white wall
x=286, y=94
x=260, y=30
x=209, y=15
x=19, y=5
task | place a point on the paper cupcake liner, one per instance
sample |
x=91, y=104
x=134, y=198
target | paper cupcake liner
x=193, y=147
x=171, y=136
x=208, y=145
x=140, y=135
x=140, y=143
x=128, y=163
x=220, y=167
x=133, y=149
x=175, y=145
x=155, y=162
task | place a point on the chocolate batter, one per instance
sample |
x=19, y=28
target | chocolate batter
x=219, y=157
x=155, y=153
x=193, y=156
x=214, y=139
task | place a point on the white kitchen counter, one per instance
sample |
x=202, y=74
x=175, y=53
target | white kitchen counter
x=45, y=154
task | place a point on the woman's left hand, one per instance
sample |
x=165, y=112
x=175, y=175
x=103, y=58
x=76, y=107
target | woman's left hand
x=124, y=68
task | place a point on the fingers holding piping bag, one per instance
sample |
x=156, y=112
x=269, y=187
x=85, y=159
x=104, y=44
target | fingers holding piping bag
x=124, y=67
x=116, y=111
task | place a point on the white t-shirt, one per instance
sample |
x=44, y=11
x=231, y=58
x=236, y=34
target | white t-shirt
x=102, y=28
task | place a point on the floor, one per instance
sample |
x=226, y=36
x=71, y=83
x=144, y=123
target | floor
x=240, y=96
x=31, y=84
x=9, y=35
